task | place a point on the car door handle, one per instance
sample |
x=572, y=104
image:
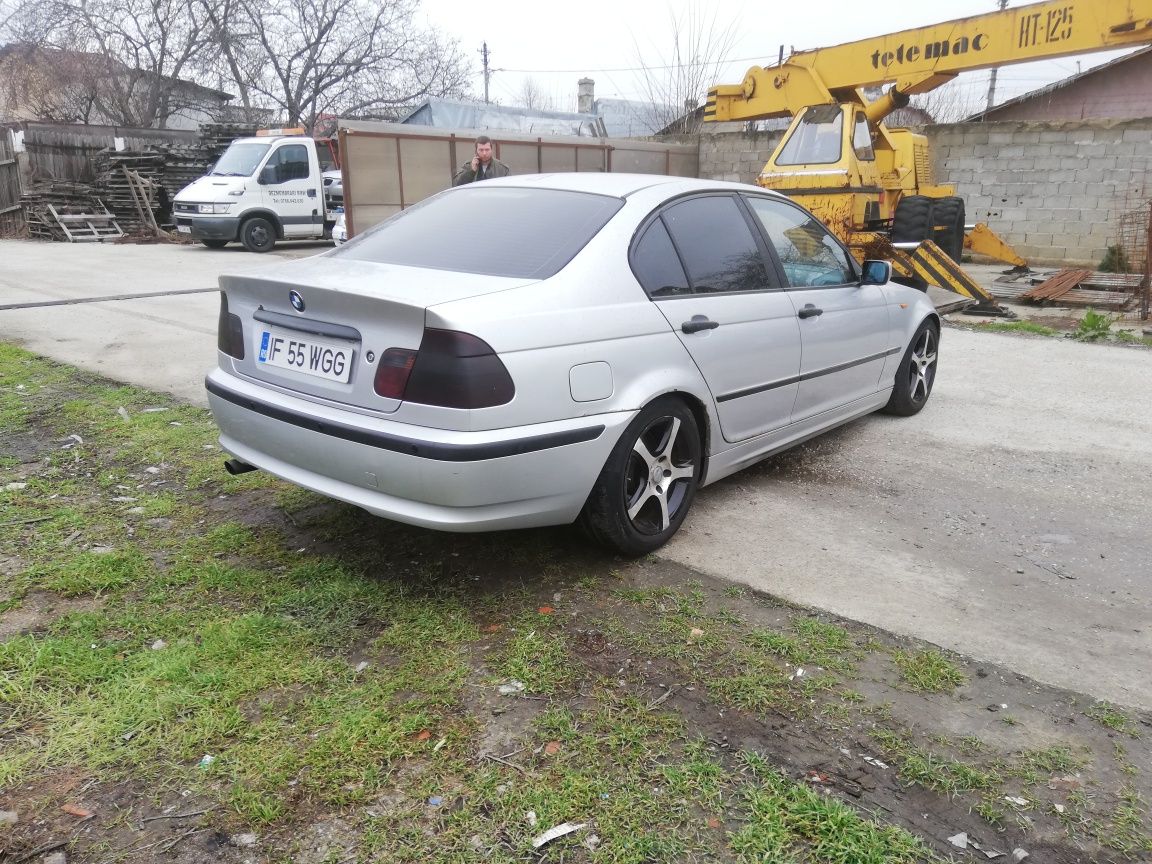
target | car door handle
x=311, y=193
x=809, y=311
x=698, y=323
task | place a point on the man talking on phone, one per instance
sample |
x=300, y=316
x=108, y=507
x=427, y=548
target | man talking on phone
x=483, y=166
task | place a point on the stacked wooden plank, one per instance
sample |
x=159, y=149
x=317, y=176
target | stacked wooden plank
x=44, y=203
x=115, y=188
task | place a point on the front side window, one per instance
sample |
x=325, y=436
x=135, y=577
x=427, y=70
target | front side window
x=240, y=160
x=862, y=139
x=716, y=245
x=291, y=163
x=490, y=230
x=817, y=139
x=810, y=255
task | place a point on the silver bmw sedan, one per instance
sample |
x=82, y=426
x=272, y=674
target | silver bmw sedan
x=560, y=348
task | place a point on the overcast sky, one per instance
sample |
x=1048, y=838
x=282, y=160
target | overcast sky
x=556, y=44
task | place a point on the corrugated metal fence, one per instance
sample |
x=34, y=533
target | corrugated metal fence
x=62, y=152
x=11, y=214
x=388, y=167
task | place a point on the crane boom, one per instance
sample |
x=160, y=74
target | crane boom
x=920, y=59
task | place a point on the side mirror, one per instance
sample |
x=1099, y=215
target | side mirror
x=269, y=176
x=876, y=273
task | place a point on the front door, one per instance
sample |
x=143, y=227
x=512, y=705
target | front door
x=289, y=190
x=843, y=325
x=702, y=264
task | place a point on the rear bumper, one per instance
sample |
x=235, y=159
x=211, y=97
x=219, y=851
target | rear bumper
x=455, y=481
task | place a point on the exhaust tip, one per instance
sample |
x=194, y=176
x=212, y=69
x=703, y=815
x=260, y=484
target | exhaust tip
x=235, y=466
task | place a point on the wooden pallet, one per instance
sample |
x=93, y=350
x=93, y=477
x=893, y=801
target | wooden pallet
x=87, y=227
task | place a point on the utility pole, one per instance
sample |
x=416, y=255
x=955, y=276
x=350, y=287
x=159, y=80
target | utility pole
x=1003, y=4
x=487, y=71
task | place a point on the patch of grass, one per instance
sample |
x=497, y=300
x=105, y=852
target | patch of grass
x=928, y=671
x=1131, y=337
x=811, y=643
x=1017, y=327
x=788, y=822
x=537, y=655
x=934, y=771
x=1124, y=830
x=1114, y=718
x=1032, y=765
x=94, y=573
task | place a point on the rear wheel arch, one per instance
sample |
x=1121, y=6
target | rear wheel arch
x=649, y=480
x=703, y=424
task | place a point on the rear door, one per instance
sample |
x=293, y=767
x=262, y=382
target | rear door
x=703, y=264
x=290, y=189
x=843, y=325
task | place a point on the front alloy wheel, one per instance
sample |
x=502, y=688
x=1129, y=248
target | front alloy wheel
x=648, y=483
x=917, y=372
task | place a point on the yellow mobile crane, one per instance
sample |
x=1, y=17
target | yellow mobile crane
x=872, y=185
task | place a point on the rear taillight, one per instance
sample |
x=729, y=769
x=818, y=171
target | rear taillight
x=392, y=373
x=229, y=332
x=451, y=370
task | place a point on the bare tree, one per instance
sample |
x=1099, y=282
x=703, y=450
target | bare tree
x=953, y=102
x=131, y=52
x=49, y=85
x=677, y=74
x=313, y=57
x=532, y=96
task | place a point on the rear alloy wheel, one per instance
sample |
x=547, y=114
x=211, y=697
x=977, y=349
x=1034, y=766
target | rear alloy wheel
x=258, y=235
x=649, y=482
x=917, y=372
x=215, y=244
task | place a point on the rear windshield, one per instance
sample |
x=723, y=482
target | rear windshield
x=495, y=231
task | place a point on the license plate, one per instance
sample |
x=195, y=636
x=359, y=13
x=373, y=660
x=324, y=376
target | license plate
x=184, y=229
x=322, y=358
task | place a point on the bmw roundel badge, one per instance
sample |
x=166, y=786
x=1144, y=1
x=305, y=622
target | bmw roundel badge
x=296, y=300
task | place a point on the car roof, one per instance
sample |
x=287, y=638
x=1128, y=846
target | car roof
x=620, y=185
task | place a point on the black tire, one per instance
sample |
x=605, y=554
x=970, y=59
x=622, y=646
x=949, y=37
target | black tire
x=258, y=234
x=948, y=219
x=215, y=244
x=917, y=372
x=912, y=221
x=649, y=482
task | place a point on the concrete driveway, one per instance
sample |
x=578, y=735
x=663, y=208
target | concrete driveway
x=1007, y=521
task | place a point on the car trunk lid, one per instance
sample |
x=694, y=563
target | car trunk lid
x=319, y=327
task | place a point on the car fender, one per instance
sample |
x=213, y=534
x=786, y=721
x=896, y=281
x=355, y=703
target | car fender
x=681, y=380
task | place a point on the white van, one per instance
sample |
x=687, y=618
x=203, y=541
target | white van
x=262, y=190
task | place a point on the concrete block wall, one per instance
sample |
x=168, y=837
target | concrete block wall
x=1055, y=191
x=737, y=156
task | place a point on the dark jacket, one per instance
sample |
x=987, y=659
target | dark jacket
x=495, y=168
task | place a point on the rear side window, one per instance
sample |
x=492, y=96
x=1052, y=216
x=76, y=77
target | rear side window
x=656, y=265
x=494, y=231
x=716, y=245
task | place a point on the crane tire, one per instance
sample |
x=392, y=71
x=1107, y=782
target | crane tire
x=948, y=226
x=912, y=221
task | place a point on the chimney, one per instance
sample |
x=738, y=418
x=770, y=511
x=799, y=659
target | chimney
x=586, y=96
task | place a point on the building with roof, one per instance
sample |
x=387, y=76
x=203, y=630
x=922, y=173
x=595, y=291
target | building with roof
x=602, y=118
x=1119, y=90
x=53, y=84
